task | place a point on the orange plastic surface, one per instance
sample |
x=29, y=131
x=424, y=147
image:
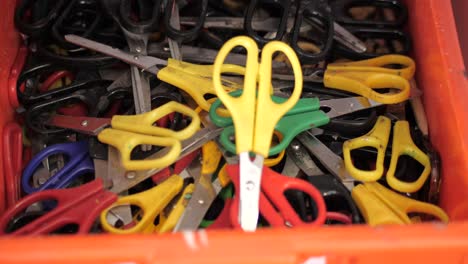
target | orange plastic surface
x=442, y=77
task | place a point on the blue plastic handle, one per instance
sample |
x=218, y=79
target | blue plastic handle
x=76, y=165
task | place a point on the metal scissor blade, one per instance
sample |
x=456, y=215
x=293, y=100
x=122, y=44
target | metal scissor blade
x=82, y=124
x=198, y=205
x=250, y=181
x=327, y=158
x=259, y=24
x=143, y=62
x=343, y=106
x=124, y=180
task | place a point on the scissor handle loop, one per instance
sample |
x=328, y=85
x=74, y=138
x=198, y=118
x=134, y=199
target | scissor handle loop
x=376, y=138
x=80, y=205
x=143, y=123
x=76, y=151
x=184, y=35
x=404, y=145
x=152, y=203
x=282, y=27
x=406, y=71
x=381, y=206
x=125, y=142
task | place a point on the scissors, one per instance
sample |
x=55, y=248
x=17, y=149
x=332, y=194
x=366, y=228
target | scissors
x=382, y=25
x=402, y=145
x=180, y=74
x=127, y=132
x=274, y=206
x=366, y=76
x=255, y=117
x=381, y=206
x=80, y=206
x=305, y=115
x=309, y=14
x=151, y=202
x=79, y=163
x=337, y=197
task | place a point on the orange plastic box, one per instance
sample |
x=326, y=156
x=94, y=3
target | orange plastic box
x=442, y=76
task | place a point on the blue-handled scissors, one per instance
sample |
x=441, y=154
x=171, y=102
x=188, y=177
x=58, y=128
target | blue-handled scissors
x=79, y=163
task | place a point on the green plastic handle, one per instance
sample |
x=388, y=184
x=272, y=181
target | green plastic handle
x=302, y=106
x=289, y=126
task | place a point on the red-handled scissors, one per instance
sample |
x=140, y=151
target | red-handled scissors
x=274, y=206
x=81, y=206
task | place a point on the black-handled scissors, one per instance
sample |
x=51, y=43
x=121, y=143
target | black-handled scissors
x=307, y=11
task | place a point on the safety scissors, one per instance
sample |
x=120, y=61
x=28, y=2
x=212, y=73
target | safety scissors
x=402, y=145
x=366, y=76
x=305, y=115
x=308, y=15
x=151, y=204
x=127, y=132
x=337, y=198
x=381, y=206
x=196, y=80
x=79, y=163
x=255, y=114
x=273, y=204
x=79, y=206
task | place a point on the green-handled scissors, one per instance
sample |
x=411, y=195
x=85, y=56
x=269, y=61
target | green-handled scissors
x=255, y=115
x=306, y=114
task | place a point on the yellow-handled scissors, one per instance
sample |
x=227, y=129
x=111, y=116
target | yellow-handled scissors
x=192, y=78
x=127, y=132
x=381, y=206
x=151, y=203
x=365, y=76
x=254, y=115
x=402, y=145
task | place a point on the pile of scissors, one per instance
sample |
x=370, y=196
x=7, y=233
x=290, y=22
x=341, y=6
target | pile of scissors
x=140, y=116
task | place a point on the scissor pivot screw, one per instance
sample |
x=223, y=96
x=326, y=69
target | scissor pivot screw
x=250, y=185
x=130, y=175
x=135, y=57
x=295, y=145
x=201, y=201
x=84, y=123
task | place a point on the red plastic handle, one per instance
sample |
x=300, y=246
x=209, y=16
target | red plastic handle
x=81, y=205
x=12, y=159
x=274, y=206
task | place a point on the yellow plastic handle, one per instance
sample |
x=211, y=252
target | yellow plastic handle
x=152, y=202
x=143, y=123
x=363, y=77
x=242, y=108
x=223, y=176
x=404, y=145
x=377, y=65
x=273, y=161
x=268, y=113
x=196, y=80
x=376, y=138
x=171, y=221
x=381, y=206
x=125, y=142
x=211, y=156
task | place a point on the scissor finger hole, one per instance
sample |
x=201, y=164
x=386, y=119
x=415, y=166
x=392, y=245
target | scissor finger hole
x=49, y=167
x=408, y=169
x=263, y=10
x=303, y=205
x=30, y=214
x=364, y=158
x=124, y=216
